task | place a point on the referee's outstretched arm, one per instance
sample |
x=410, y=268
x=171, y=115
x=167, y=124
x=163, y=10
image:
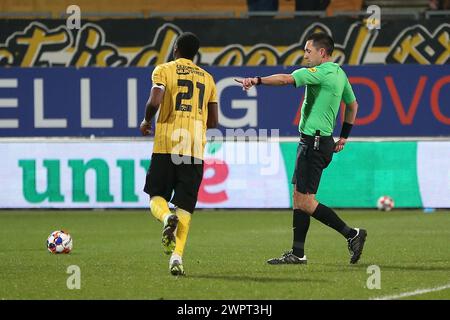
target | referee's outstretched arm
x=273, y=80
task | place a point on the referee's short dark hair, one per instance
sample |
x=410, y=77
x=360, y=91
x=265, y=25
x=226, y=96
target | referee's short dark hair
x=188, y=45
x=322, y=40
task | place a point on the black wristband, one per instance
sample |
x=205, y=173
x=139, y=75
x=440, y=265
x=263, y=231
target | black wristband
x=258, y=81
x=345, y=130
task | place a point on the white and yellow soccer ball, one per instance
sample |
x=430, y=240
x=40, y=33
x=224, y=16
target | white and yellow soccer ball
x=59, y=242
x=385, y=203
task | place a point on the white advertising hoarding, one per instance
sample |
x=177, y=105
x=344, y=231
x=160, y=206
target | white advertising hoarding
x=112, y=175
x=433, y=173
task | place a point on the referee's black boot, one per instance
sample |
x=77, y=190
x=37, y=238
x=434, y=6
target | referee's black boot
x=356, y=245
x=288, y=258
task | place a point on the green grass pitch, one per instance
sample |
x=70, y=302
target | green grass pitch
x=120, y=256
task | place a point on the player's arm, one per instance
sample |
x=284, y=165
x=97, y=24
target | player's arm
x=351, y=110
x=151, y=108
x=213, y=115
x=213, y=108
x=159, y=80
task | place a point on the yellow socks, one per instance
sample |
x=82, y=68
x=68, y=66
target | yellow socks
x=184, y=221
x=159, y=208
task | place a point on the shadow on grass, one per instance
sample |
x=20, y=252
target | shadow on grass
x=232, y=277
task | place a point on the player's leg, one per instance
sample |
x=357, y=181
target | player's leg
x=307, y=186
x=188, y=179
x=309, y=204
x=176, y=260
x=300, y=221
x=159, y=186
x=355, y=237
x=300, y=225
x=309, y=166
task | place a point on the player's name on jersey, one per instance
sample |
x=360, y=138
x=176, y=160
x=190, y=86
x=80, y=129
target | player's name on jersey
x=183, y=69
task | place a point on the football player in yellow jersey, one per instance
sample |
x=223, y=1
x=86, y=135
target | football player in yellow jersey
x=186, y=98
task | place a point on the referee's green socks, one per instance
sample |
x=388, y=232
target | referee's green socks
x=300, y=226
x=330, y=218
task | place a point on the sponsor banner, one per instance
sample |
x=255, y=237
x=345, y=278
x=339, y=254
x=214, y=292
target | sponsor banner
x=395, y=100
x=147, y=42
x=236, y=175
x=433, y=171
x=112, y=175
x=363, y=172
x=244, y=175
x=74, y=175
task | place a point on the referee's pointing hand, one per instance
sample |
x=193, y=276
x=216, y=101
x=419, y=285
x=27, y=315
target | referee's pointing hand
x=247, y=83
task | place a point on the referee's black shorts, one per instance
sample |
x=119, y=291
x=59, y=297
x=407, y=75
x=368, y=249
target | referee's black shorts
x=310, y=163
x=166, y=177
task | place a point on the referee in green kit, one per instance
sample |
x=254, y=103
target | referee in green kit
x=326, y=85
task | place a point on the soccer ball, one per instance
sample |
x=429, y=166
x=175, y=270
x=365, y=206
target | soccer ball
x=59, y=242
x=385, y=203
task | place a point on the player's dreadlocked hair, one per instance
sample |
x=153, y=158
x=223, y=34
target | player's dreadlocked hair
x=188, y=45
x=322, y=40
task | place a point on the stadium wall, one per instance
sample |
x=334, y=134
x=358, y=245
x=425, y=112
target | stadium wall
x=269, y=42
x=84, y=173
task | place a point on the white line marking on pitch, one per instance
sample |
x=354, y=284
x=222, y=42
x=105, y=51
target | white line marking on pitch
x=413, y=293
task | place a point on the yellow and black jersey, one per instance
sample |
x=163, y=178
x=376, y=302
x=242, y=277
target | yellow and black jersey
x=181, y=124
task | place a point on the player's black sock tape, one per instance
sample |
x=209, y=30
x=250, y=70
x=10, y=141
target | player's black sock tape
x=330, y=218
x=300, y=225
